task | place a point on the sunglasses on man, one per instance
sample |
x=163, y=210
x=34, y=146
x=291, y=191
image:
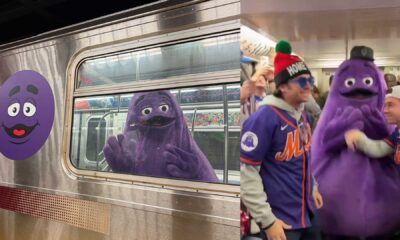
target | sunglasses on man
x=302, y=82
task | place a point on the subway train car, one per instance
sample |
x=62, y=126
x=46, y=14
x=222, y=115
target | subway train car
x=356, y=44
x=59, y=184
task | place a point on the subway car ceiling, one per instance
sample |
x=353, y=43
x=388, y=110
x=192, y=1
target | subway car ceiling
x=323, y=32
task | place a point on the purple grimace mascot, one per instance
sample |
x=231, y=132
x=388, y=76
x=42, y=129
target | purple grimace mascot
x=361, y=194
x=157, y=142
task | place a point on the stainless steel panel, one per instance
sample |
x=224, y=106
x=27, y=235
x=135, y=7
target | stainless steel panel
x=169, y=227
x=89, y=215
x=24, y=227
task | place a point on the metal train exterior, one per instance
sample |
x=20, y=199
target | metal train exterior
x=66, y=190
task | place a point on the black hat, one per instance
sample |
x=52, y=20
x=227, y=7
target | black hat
x=362, y=52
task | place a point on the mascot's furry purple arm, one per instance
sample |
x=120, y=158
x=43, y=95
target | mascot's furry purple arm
x=361, y=194
x=157, y=142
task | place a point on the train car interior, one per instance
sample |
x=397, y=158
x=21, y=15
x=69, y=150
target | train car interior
x=324, y=32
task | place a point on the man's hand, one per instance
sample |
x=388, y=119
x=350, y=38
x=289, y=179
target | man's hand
x=246, y=91
x=276, y=231
x=351, y=137
x=318, y=199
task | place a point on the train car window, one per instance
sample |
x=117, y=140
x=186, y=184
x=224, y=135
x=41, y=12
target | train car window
x=168, y=133
x=200, y=56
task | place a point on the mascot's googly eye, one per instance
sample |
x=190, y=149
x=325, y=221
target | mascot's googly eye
x=13, y=109
x=349, y=82
x=29, y=109
x=164, y=108
x=368, y=81
x=147, y=111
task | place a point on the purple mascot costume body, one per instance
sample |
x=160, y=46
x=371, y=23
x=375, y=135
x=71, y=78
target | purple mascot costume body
x=361, y=194
x=157, y=142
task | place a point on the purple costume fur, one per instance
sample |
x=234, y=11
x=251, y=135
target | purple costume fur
x=157, y=142
x=361, y=194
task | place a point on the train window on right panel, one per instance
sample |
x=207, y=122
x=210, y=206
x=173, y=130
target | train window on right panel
x=188, y=133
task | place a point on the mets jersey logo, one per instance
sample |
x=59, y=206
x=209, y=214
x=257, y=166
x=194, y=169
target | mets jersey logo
x=293, y=147
x=249, y=141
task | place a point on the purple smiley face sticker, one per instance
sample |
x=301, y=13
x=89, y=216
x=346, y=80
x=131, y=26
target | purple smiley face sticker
x=26, y=114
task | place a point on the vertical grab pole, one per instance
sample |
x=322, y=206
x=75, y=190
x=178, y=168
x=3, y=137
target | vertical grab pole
x=226, y=132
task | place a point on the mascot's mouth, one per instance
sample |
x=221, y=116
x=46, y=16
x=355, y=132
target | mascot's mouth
x=19, y=131
x=359, y=94
x=158, y=121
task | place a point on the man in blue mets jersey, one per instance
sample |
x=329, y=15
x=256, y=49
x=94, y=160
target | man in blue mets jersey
x=276, y=183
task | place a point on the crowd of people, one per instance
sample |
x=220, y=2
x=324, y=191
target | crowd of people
x=309, y=174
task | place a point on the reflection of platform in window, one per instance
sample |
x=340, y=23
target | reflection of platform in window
x=209, y=118
x=234, y=118
x=197, y=57
x=96, y=103
x=188, y=118
x=233, y=93
x=203, y=95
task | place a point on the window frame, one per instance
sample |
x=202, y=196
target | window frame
x=195, y=80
